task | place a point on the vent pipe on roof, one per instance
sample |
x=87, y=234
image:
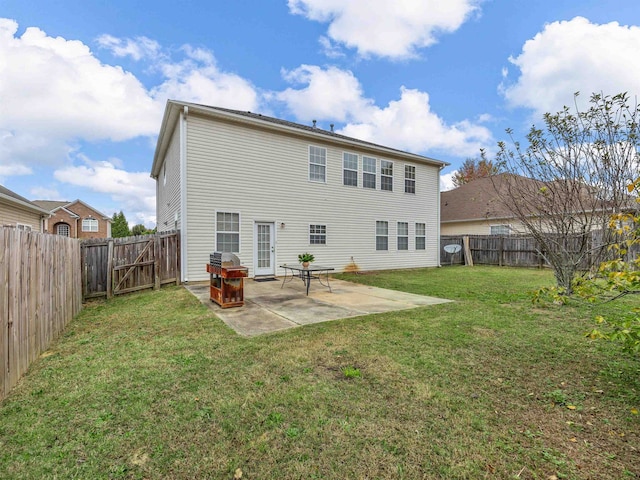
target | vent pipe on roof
x=314, y=123
x=331, y=125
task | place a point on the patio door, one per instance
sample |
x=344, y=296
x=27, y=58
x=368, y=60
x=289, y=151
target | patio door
x=264, y=248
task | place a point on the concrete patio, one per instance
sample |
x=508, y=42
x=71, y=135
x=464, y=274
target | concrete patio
x=270, y=308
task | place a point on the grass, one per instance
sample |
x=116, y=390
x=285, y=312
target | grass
x=153, y=385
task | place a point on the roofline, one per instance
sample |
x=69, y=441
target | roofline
x=28, y=205
x=174, y=107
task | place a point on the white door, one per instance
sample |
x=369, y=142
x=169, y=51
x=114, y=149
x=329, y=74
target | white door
x=265, y=256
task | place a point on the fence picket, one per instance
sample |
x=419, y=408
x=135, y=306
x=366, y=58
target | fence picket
x=40, y=292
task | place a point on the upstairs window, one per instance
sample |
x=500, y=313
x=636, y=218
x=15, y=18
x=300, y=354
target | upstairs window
x=403, y=236
x=421, y=233
x=382, y=235
x=318, y=234
x=89, y=225
x=386, y=175
x=409, y=179
x=228, y=232
x=369, y=172
x=350, y=169
x=317, y=164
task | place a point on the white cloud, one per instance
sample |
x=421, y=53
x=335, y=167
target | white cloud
x=55, y=93
x=383, y=28
x=43, y=193
x=329, y=93
x=446, y=181
x=571, y=56
x=407, y=123
x=134, y=191
x=198, y=79
x=137, y=48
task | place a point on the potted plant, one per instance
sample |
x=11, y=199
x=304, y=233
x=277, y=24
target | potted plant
x=305, y=259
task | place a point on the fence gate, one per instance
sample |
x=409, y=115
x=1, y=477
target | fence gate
x=121, y=265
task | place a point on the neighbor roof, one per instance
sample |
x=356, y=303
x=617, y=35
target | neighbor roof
x=476, y=200
x=53, y=205
x=174, y=107
x=13, y=197
x=50, y=205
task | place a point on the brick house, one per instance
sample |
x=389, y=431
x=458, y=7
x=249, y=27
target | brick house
x=75, y=219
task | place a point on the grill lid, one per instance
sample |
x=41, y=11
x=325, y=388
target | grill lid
x=224, y=259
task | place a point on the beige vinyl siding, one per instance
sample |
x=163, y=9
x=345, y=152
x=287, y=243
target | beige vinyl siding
x=264, y=176
x=479, y=227
x=168, y=195
x=11, y=215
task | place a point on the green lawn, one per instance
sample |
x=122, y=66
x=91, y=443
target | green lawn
x=153, y=385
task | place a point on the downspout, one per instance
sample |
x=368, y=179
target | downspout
x=438, y=220
x=183, y=194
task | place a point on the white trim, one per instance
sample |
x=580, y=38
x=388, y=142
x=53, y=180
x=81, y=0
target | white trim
x=273, y=258
x=508, y=225
x=398, y=236
x=215, y=229
x=375, y=173
x=414, y=179
x=183, y=195
x=387, y=176
x=375, y=239
x=309, y=234
x=309, y=164
x=357, y=170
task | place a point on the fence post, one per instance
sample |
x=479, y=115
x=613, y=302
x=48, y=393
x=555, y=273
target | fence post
x=156, y=261
x=110, y=269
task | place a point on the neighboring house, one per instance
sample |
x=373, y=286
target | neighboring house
x=75, y=219
x=478, y=207
x=268, y=190
x=17, y=211
x=474, y=209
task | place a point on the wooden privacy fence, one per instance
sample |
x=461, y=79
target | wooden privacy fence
x=40, y=292
x=112, y=266
x=510, y=250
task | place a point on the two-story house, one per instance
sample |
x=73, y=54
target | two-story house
x=268, y=189
x=75, y=219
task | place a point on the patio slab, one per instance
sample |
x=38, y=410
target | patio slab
x=271, y=307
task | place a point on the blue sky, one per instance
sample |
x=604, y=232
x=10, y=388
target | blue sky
x=83, y=84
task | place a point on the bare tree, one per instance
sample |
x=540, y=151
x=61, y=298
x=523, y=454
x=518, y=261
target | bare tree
x=571, y=178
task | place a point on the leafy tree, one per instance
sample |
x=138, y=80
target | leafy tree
x=474, y=168
x=140, y=229
x=569, y=180
x=620, y=277
x=119, y=226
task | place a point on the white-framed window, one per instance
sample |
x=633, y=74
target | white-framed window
x=318, y=234
x=386, y=175
x=62, y=229
x=228, y=232
x=23, y=226
x=409, y=179
x=89, y=225
x=164, y=173
x=382, y=235
x=421, y=236
x=403, y=236
x=350, y=169
x=500, y=229
x=317, y=164
x=369, y=172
